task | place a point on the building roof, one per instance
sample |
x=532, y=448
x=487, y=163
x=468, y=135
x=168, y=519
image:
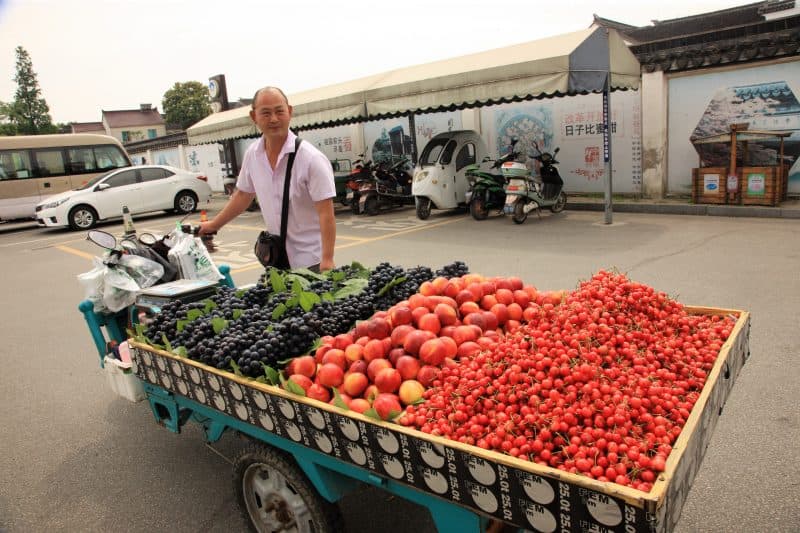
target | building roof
x=132, y=117
x=84, y=127
x=159, y=143
x=762, y=30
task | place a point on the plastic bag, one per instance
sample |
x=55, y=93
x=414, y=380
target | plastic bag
x=119, y=289
x=92, y=283
x=145, y=272
x=191, y=257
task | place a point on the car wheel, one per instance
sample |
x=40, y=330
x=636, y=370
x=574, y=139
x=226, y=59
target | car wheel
x=560, y=203
x=423, y=207
x=82, y=217
x=185, y=202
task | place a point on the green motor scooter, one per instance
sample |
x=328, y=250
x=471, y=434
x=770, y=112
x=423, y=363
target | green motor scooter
x=487, y=189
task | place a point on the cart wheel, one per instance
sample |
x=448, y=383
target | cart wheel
x=423, y=207
x=371, y=205
x=274, y=495
x=519, y=215
x=560, y=203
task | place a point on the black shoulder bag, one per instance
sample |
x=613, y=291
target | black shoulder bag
x=270, y=249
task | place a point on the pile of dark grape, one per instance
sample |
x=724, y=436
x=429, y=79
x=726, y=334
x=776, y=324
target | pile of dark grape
x=257, y=326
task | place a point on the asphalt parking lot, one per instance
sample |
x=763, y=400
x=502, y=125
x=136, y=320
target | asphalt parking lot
x=78, y=458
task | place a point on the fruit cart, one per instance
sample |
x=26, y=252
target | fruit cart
x=307, y=454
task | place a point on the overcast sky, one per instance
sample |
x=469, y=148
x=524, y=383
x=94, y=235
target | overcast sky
x=91, y=55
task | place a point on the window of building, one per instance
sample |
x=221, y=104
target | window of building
x=151, y=134
x=126, y=136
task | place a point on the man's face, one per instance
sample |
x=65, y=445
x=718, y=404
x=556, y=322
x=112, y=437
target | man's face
x=272, y=114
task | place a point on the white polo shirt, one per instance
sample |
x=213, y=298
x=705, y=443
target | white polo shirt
x=312, y=181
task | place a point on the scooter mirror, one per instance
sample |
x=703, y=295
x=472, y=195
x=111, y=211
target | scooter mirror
x=147, y=239
x=556, y=151
x=102, y=239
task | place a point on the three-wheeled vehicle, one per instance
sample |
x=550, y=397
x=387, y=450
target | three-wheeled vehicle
x=439, y=177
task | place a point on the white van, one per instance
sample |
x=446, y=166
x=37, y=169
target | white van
x=439, y=180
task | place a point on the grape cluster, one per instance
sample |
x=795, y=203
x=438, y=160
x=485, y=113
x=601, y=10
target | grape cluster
x=257, y=327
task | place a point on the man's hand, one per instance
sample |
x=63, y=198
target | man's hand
x=208, y=228
x=326, y=265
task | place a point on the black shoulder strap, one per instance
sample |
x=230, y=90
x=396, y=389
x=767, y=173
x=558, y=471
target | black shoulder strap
x=286, y=181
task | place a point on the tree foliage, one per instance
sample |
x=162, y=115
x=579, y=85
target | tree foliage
x=29, y=112
x=186, y=103
x=6, y=126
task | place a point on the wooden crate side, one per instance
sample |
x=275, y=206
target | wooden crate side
x=687, y=454
x=760, y=186
x=709, y=185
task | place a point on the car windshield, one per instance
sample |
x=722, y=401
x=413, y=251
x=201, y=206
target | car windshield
x=92, y=182
x=430, y=155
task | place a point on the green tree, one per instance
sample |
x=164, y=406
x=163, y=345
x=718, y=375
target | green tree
x=6, y=126
x=186, y=103
x=29, y=112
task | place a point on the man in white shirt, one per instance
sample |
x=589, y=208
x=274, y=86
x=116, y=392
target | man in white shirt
x=311, y=226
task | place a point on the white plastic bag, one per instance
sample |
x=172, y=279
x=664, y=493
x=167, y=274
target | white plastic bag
x=145, y=272
x=92, y=283
x=191, y=257
x=119, y=290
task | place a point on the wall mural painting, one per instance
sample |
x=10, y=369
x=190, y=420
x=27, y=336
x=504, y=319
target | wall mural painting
x=763, y=106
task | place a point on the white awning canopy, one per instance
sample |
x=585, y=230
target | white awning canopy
x=569, y=64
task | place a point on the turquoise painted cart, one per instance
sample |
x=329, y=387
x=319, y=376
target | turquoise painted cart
x=305, y=455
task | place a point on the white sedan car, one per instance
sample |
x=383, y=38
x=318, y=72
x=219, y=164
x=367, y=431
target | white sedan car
x=141, y=188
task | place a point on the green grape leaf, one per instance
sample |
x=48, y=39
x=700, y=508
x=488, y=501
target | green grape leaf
x=181, y=324
x=338, y=401
x=237, y=313
x=236, y=369
x=262, y=379
x=308, y=274
x=180, y=351
x=279, y=311
x=337, y=275
x=327, y=297
x=194, y=314
x=396, y=281
x=372, y=413
x=297, y=286
x=272, y=375
x=210, y=306
x=240, y=293
x=292, y=387
x=166, y=342
x=309, y=300
x=218, y=323
x=276, y=281
x=351, y=287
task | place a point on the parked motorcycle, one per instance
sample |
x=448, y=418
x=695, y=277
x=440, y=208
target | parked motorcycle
x=360, y=176
x=486, y=189
x=526, y=192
